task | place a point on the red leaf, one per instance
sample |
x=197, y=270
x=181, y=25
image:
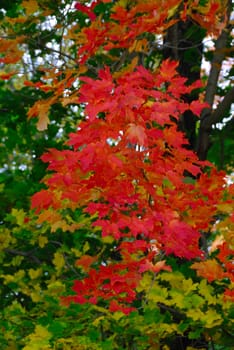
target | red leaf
x=197, y=107
x=136, y=134
x=87, y=10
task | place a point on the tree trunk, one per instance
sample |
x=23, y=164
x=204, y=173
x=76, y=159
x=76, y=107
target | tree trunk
x=183, y=42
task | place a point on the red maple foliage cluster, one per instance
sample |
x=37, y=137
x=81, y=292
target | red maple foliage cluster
x=129, y=168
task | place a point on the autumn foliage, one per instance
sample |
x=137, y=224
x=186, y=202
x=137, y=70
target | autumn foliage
x=126, y=169
x=158, y=213
x=129, y=169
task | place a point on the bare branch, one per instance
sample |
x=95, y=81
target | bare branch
x=22, y=253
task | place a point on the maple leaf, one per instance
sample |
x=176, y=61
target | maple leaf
x=168, y=69
x=136, y=134
x=210, y=269
x=229, y=295
x=40, y=109
x=85, y=261
x=58, y=260
x=41, y=200
x=158, y=266
x=115, y=306
x=87, y=10
x=180, y=239
x=196, y=107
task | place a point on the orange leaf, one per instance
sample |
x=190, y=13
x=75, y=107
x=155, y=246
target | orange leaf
x=30, y=6
x=85, y=261
x=209, y=269
x=40, y=109
x=136, y=134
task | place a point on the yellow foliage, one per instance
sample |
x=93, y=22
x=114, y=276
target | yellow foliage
x=42, y=241
x=35, y=273
x=225, y=207
x=55, y=288
x=86, y=247
x=212, y=319
x=19, y=215
x=16, y=277
x=108, y=239
x=195, y=314
x=39, y=340
x=206, y=290
x=17, y=260
x=58, y=261
x=5, y=238
x=164, y=329
x=158, y=294
x=145, y=282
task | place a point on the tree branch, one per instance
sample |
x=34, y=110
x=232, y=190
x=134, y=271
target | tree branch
x=217, y=115
x=21, y=253
x=209, y=117
x=218, y=58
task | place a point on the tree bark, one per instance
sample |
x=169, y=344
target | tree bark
x=209, y=116
x=184, y=42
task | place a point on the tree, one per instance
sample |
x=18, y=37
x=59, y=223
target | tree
x=127, y=209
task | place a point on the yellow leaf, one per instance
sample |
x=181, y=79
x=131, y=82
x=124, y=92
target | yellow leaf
x=35, y=296
x=39, y=340
x=212, y=319
x=97, y=321
x=19, y=215
x=157, y=294
x=55, y=288
x=172, y=11
x=145, y=282
x=86, y=247
x=225, y=208
x=76, y=252
x=58, y=261
x=188, y=286
x=5, y=239
x=177, y=298
x=207, y=292
x=17, y=260
x=16, y=277
x=117, y=315
x=42, y=241
x=175, y=279
x=108, y=239
x=195, y=314
x=33, y=274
